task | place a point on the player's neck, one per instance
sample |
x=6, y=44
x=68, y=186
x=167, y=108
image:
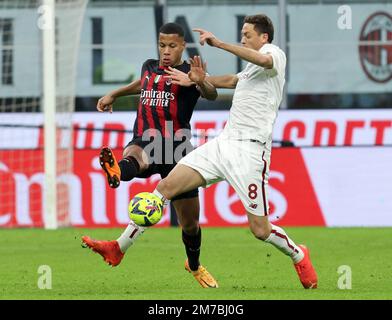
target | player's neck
x=180, y=62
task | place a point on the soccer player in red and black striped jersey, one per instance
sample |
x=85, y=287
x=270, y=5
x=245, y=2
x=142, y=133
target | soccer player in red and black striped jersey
x=163, y=116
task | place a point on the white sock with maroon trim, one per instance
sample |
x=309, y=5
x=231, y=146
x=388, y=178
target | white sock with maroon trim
x=282, y=242
x=133, y=231
x=161, y=196
x=128, y=237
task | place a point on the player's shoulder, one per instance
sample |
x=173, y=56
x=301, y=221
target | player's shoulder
x=271, y=48
x=184, y=67
x=150, y=63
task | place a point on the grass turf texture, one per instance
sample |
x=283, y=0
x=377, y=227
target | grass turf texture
x=153, y=268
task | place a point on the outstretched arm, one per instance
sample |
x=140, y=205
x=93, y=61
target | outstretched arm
x=181, y=78
x=106, y=102
x=228, y=81
x=253, y=56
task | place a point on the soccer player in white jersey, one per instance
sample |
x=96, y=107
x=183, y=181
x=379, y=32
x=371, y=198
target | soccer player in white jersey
x=241, y=153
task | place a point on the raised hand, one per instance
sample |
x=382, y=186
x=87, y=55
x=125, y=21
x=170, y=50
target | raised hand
x=105, y=104
x=198, y=70
x=178, y=77
x=206, y=36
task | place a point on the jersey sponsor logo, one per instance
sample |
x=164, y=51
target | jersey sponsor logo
x=375, y=49
x=293, y=192
x=156, y=98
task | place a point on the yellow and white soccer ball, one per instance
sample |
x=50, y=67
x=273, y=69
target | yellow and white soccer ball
x=145, y=209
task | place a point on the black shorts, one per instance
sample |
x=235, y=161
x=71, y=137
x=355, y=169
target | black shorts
x=163, y=158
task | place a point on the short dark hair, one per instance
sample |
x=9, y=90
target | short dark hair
x=172, y=28
x=262, y=24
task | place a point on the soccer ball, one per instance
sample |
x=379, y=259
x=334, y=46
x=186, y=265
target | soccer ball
x=145, y=209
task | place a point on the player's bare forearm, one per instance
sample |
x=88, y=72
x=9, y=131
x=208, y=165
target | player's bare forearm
x=228, y=81
x=207, y=90
x=133, y=88
x=106, y=102
x=250, y=55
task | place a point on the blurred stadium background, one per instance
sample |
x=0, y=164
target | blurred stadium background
x=337, y=108
x=337, y=111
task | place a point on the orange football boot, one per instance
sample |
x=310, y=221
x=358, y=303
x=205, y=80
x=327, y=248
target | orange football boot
x=306, y=273
x=202, y=276
x=109, y=250
x=109, y=164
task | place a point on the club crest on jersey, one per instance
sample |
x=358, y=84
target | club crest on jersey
x=157, y=78
x=168, y=81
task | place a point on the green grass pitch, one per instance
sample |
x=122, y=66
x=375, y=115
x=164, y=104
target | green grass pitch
x=153, y=268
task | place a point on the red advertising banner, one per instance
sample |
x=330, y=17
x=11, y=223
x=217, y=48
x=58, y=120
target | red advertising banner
x=341, y=177
x=92, y=203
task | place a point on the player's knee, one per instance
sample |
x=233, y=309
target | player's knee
x=166, y=188
x=260, y=232
x=143, y=166
x=190, y=227
x=134, y=152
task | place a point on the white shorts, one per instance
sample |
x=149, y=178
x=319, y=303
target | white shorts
x=243, y=164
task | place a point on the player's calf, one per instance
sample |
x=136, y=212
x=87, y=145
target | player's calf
x=259, y=226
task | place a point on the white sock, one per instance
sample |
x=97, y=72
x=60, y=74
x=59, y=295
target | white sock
x=282, y=242
x=128, y=237
x=161, y=196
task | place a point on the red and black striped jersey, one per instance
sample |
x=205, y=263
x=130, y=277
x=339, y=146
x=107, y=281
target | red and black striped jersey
x=161, y=101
